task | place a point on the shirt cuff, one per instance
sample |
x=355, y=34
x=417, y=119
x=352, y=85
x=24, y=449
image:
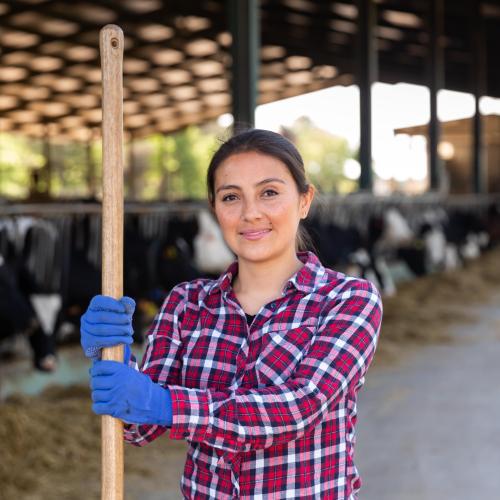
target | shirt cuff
x=190, y=413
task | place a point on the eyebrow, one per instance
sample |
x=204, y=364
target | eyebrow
x=265, y=181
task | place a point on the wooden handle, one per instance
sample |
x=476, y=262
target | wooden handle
x=111, y=45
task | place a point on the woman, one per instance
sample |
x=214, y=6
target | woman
x=258, y=370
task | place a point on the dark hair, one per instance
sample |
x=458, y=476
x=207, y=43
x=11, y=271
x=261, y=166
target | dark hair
x=267, y=143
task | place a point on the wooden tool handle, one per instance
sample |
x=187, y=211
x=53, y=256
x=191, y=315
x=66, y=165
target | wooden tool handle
x=111, y=46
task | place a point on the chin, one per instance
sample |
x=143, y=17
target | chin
x=259, y=254
x=252, y=254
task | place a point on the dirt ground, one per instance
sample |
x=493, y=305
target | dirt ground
x=51, y=441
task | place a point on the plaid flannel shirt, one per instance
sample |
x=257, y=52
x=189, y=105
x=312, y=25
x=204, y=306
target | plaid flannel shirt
x=268, y=410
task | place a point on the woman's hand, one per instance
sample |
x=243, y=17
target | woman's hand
x=107, y=322
x=122, y=392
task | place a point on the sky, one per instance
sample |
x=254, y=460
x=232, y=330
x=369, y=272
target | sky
x=336, y=110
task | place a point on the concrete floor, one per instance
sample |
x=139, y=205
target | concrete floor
x=427, y=429
x=20, y=377
x=430, y=429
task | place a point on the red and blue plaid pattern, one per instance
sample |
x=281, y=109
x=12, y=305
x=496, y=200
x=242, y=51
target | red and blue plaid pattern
x=269, y=409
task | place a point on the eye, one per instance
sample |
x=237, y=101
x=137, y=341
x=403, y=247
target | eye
x=229, y=197
x=269, y=193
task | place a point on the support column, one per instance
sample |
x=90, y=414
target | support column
x=47, y=169
x=91, y=180
x=436, y=82
x=1, y=157
x=132, y=170
x=479, y=154
x=163, y=190
x=367, y=65
x=244, y=26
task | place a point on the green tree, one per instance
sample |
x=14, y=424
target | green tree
x=19, y=155
x=324, y=156
x=179, y=163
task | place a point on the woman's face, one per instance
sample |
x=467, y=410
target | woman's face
x=258, y=206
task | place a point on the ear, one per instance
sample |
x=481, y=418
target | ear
x=306, y=200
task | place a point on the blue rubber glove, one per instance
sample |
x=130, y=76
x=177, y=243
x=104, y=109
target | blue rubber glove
x=122, y=392
x=127, y=353
x=107, y=322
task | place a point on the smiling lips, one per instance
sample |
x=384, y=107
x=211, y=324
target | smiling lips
x=255, y=235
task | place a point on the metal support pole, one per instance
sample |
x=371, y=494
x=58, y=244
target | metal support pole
x=367, y=74
x=91, y=181
x=163, y=191
x=47, y=170
x=479, y=167
x=436, y=82
x=132, y=170
x=245, y=31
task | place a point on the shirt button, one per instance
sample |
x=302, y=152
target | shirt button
x=273, y=306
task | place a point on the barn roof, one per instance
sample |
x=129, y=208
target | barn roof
x=177, y=57
x=460, y=127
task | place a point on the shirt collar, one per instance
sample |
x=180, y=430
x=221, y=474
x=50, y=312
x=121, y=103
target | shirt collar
x=307, y=279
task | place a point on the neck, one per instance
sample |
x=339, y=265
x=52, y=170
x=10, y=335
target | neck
x=265, y=278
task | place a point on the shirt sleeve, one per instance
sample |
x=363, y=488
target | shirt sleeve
x=247, y=419
x=161, y=360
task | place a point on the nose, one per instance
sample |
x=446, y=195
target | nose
x=251, y=210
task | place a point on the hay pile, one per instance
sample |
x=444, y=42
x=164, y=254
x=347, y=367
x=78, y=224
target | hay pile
x=424, y=309
x=51, y=450
x=51, y=443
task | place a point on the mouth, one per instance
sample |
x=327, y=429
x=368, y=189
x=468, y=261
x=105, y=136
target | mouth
x=255, y=235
